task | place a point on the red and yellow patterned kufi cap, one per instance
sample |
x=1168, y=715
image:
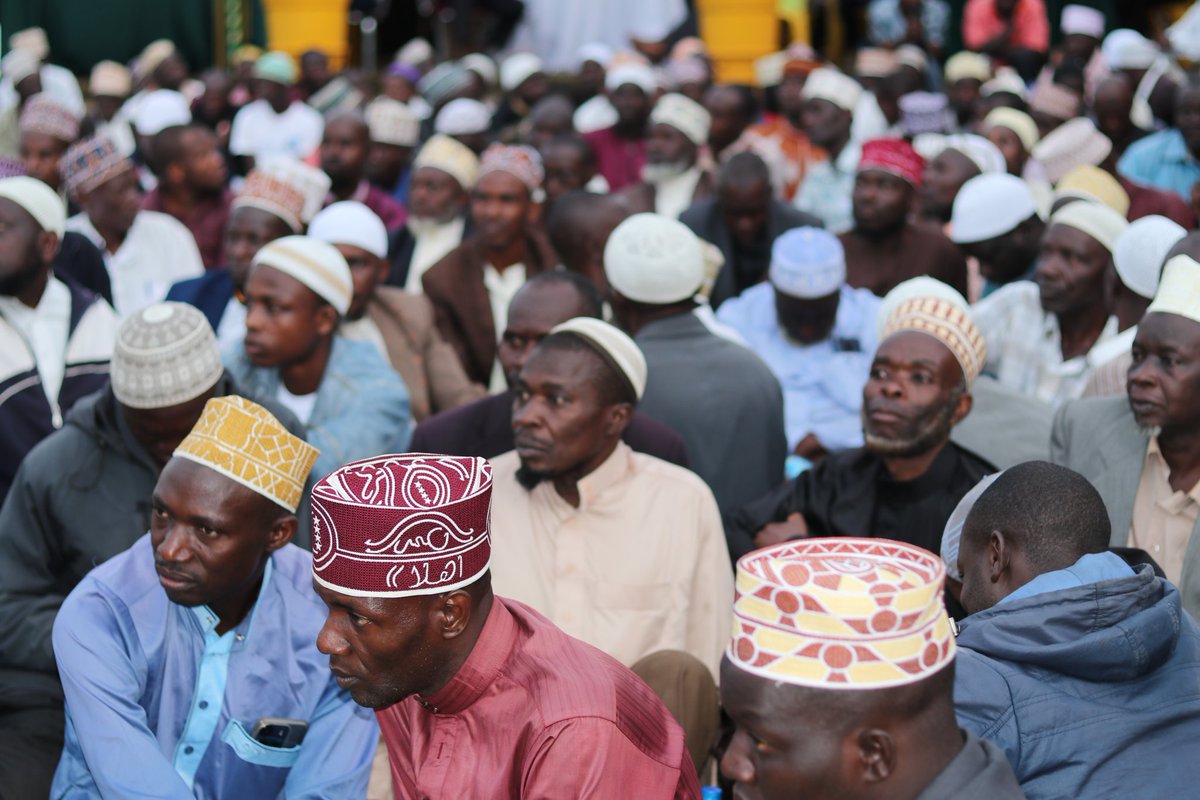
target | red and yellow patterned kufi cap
x=841, y=613
x=947, y=322
x=402, y=525
x=245, y=443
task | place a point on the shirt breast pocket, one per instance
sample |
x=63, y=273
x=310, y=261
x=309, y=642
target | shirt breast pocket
x=255, y=752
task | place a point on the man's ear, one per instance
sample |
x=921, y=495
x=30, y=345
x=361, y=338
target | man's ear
x=282, y=532
x=999, y=557
x=454, y=613
x=174, y=174
x=876, y=755
x=48, y=246
x=619, y=416
x=963, y=407
x=327, y=319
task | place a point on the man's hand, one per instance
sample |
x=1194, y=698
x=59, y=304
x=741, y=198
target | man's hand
x=810, y=447
x=794, y=527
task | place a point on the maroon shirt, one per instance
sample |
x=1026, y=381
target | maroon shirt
x=386, y=207
x=535, y=713
x=206, y=222
x=619, y=160
x=1146, y=200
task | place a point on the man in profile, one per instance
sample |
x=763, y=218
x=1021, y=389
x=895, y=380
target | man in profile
x=476, y=695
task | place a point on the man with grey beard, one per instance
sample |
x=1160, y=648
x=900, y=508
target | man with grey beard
x=671, y=178
x=905, y=481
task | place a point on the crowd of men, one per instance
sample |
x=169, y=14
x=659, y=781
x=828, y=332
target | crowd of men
x=482, y=429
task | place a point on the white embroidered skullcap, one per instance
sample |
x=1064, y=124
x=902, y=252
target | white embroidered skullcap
x=42, y=202
x=595, y=114
x=1179, y=290
x=110, y=79
x=166, y=354
x=289, y=189
x=684, y=115
x=1083, y=19
x=990, y=205
x=516, y=69
x=159, y=110
x=19, y=65
x=807, y=263
x=1095, y=219
x=1006, y=80
x=462, y=116
x=351, y=223
x=393, y=122
x=909, y=55
x=952, y=533
x=1016, y=121
x=1076, y=142
x=981, y=152
x=316, y=264
x=632, y=72
x=966, y=64
x=451, y=157
x=1139, y=252
x=613, y=343
x=482, y=66
x=947, y=321
x=597, y=52
x=416, y=51
x=654, y=259
x=838, y=88
x=1128, y=49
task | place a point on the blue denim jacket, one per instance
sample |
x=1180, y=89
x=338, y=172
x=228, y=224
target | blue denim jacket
x=361, y=409
x=1091, y=691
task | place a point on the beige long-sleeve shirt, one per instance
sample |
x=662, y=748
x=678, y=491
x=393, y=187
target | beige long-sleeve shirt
x=640, y=566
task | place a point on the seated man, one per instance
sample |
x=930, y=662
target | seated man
x=187, y=661
x=1040, y=335
x=995, y=220
x=742, y=220
x=104, y=184
x=570, y=167
x=884, y=248
x=1084, y=671
x=47, y=129
x=83, y=495
x=476, y=695
x=951, y=161
x=443, y=175
x=471, y=287
x=671, y=177
x=1138, y=448
x=578, y=226
x=399, y=324
x=276, y=199
x=572, y=503
x=484, y=428
x=829, y=99
x=345, y=147
x=275, y=123
x=816, y=334
x=907, y=479
x=735, y=437
x=848, y=698
x=352, y=403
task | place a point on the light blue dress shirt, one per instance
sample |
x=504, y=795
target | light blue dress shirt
x=160, y=706
x=823, y=382
x=1090, y=568
x=1162, y=160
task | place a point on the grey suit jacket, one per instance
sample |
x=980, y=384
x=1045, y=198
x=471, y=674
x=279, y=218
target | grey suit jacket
x=1098, y=438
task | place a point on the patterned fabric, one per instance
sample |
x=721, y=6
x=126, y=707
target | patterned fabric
x=827, y=189
x=947, y=322
x=289, y=189
x=403, y=525
x=243, y=442
x=841, y=613
x=893, y=156
x=518, y=160
x=91, y=163
x=42, y=115
x=786, y=149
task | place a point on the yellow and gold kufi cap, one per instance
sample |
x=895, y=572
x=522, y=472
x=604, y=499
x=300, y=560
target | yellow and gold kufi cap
x=946, y=321
x=245, y=443
x=841, y=613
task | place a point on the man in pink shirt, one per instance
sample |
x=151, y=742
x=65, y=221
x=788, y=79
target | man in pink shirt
x=1015, y=32
x=477, y=696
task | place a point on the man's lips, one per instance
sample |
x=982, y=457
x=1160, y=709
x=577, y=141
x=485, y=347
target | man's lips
x=173, y=579
x=885, y=414
x=1143, y=405
x=530, y=444
x=343, y=678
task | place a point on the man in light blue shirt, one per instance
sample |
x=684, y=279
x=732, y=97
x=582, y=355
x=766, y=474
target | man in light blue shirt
x=189, y=662
x=1167, y=159
x=816, y=334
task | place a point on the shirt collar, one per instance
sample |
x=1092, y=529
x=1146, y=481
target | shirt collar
x=590, y=486
x=936, y=478
x=209, y=620
x=482, y=667
x=1154, y=455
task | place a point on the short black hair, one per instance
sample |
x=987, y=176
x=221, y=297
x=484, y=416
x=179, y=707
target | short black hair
x=573, y=141
x=590, y=301
x=744, y=169
x=1051, y=513
x=569, y=216
x=609, y=379
x=167, y=147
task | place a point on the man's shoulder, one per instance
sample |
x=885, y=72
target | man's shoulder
x=359, y=362
x=667, y=478
x=212, y=280
x=160, y=224
x=1018, y=294
x=699, y=215
x=1155, y=145
x=292, y=570
x=505, y=465
x=443, y=276
x=414, y=311
x=448, y=431
x=126, y=579
x=1090, y=412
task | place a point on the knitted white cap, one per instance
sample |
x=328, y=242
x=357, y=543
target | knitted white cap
x=165, y=355
x=654, y=259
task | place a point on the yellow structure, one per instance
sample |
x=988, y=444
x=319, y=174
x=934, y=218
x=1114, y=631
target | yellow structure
x=294, y=26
